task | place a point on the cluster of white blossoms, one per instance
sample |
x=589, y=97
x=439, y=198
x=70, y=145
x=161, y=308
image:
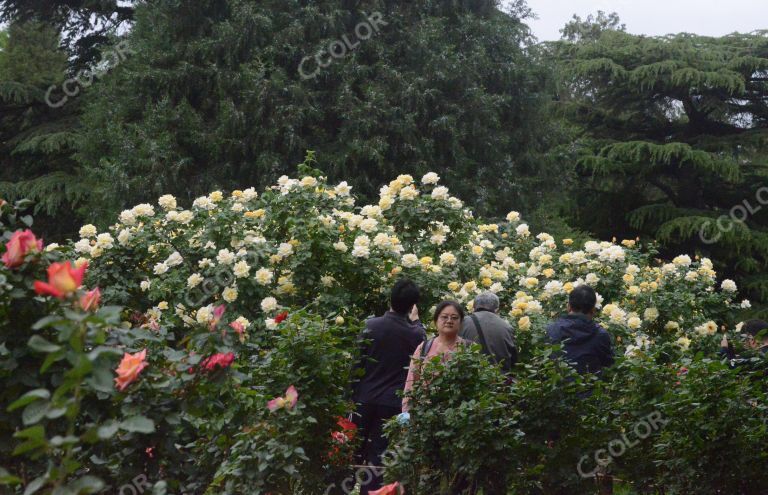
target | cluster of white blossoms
x=225, y=246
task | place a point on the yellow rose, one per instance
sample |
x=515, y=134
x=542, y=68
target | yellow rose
x=524, y=323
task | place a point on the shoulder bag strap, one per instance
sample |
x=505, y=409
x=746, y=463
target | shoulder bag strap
x=480, y=334
x=426, y=347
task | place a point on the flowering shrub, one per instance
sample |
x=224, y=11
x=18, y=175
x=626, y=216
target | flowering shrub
x=225, y=367
x=304, y=242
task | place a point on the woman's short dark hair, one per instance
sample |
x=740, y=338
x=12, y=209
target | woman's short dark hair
x=582, y=299
x=440, y=307
x=404, y=295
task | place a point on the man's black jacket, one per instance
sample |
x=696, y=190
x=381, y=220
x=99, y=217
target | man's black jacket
x=387, y=344
x=585, y=343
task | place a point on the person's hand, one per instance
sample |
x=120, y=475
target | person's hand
x=404, y=418
x=724, y=342
x=414, y=314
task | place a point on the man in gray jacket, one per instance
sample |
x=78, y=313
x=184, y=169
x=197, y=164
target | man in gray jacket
x=488, y=329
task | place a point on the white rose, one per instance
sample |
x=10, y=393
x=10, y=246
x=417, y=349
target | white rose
x=284, y=250
x=408, y=193
x=263, y=276
x=167, y=202
x=368, y=225
x=83, y=246
x=194, y=280
x=430, y=178
x=225, y=257
x=728, y=285
x=440, y=193
x=447, y=259
x=651, y=314
x=87, y=231
x=229, y=294
x=308, y=181
x=127, y=217
x=124, y=237
x=268, y=304
x=174, y=259
x=241, y=269
x=342, y=189
x=409, y=260
x=143, y=210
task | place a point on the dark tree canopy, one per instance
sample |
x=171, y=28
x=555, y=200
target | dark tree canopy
x=37, y=141
x=215, y=96
x=86, y=26
x=674, y=135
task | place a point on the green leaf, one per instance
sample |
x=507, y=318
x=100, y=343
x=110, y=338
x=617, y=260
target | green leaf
x=138, y=424
x=101, y=380
x=32, y=433
x=7, y=478
x=108, y=430
x=48, y=321
x=50, y=359
x=34, y=412
x=35, y=485
x=39, y=344
x=30, y=397
x=87, y=484
x=102, y=349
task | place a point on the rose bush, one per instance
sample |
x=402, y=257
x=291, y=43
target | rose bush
x=225, y=367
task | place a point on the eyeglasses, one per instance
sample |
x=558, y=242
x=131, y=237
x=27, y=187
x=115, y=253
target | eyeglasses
x=448, y=318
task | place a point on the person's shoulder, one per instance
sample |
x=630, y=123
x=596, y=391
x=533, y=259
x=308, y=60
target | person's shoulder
x=604, y=334
x=555, y=325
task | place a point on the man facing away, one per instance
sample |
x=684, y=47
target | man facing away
x=387, y=344
x=586, y=345
x=493, y=333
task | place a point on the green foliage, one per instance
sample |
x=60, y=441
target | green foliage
x=271, y=453
x=461, y=432
x=672, y=138
x=38, y=140
x=214, y=98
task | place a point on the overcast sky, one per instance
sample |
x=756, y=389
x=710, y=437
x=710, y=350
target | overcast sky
x=655, y=17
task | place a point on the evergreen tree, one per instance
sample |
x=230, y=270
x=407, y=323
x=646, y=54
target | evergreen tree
x=85, y=26
x=230, y=94
x=673, y=135
x=37, y=141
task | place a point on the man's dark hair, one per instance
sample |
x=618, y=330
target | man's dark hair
x=404, y=295
x=582, y=299
x=755, y=327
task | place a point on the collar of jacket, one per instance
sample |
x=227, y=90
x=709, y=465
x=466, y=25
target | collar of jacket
x=397, y=316
x=479, y=310
x=577, y=316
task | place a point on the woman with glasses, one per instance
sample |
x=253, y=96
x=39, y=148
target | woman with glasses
x=448, y=318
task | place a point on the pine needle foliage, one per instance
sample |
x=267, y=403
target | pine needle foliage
x=673, y=140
